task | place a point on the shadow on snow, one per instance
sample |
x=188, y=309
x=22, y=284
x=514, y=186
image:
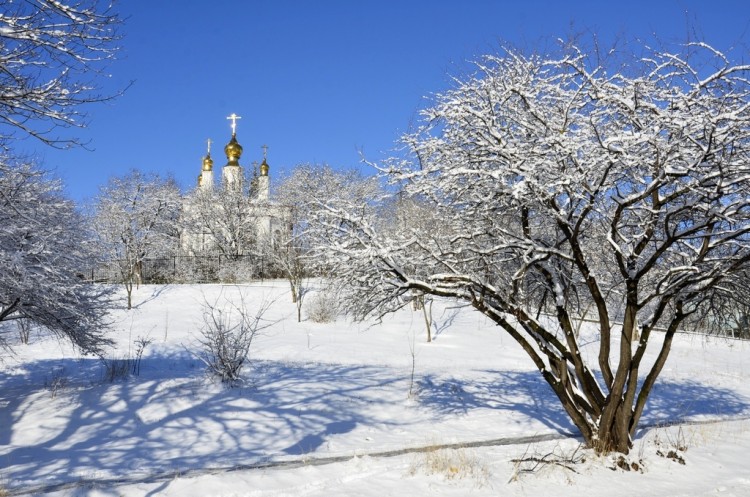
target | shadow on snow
x=172, y=418
x=527, y=392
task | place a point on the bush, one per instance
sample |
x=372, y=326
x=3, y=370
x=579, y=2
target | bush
x=322, y=307
x=452, y=464
x=226, y=337
x=238, y=271
x=116, y=368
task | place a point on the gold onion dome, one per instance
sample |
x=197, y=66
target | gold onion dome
x=208, y=162
x=233, y=150
x=264, y=168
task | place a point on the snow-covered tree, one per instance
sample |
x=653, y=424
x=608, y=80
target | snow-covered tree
x=565, y=184
x=227, y=218
x=285, y=248
x=51, y=53
x=43, y=251
x=136, y=216
x=306, y=195
x=297, y=197
x=51, y=56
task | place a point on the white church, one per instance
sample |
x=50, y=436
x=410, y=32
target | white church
x=262, y=220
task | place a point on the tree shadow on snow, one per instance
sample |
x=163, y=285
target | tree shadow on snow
x=672, y=401
x=172, y=418
x=529, y=394
x=524, y=392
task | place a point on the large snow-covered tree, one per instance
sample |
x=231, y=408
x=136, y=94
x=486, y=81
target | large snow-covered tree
x=52, y=54
x=137, y=216
x=44, y=247
x=565, y=186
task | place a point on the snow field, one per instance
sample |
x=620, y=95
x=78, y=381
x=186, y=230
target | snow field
x=341, y=390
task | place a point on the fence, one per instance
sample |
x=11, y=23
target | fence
x=191, y=269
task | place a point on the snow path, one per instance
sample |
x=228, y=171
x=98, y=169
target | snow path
x=298, y=462
x=311, y=461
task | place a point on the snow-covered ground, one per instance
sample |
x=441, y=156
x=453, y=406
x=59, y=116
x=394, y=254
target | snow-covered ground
x=326, y=410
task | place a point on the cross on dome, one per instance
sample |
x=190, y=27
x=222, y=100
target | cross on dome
x=234, y=118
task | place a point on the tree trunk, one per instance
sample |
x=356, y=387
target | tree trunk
x=616, y=436
x=129, y=291
x=294, y=291
x=427, y=317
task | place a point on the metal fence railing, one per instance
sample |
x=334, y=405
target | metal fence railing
x=189, y=269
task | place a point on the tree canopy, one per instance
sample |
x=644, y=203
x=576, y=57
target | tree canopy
x=565, y=187
x=52, y=54
x=44, y=248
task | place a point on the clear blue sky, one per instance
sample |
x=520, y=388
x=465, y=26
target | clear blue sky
x=320, y=81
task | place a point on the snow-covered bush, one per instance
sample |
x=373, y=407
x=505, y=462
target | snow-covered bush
x=226, y=336
x=322, y=307
x=44, y=248
x=241, y=270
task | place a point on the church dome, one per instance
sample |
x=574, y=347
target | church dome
x=208, y=163
x=233, y=150
x=264, y=168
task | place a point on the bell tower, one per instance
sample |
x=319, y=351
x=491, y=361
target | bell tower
x=263, y=180
x=206, y=178
x=231, y=174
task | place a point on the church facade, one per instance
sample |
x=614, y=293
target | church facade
x=232, y=215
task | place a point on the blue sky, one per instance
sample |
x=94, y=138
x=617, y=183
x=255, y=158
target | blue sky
x=321, y=81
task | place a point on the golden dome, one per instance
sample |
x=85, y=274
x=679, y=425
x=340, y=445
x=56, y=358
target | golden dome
x=264, y=168
x=233, y=150
x=208, y=163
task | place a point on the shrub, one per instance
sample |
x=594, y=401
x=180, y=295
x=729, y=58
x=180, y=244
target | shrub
x=322, y=307
x=116, y=368
x=226, y=337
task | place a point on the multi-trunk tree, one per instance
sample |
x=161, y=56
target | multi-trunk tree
x=564, y=186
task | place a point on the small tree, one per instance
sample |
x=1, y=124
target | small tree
x=286, y=249
x=562, y=181
x=300, y=195
x=136, y=216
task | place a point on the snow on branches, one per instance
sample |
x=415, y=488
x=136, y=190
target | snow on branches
x=556, y=187
x=50, y=54
x=44, y=246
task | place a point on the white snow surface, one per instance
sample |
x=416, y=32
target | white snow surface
x=325, y=410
